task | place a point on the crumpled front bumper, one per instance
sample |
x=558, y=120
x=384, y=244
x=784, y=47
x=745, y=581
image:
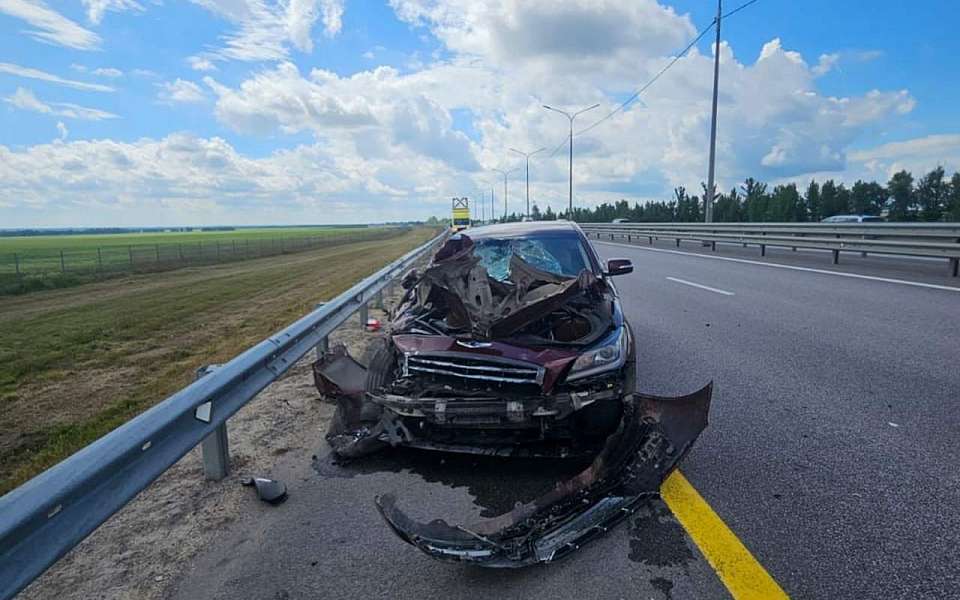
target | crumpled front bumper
x=654, y=436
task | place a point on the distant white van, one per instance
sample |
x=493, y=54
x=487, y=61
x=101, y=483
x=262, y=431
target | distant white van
x=852, y=219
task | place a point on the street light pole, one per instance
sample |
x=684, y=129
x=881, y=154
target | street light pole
x=527, y=156
x=571, y=117
x=505, y=196
x=711, y=184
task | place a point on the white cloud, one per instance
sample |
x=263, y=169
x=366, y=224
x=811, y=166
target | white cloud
x=831, y=62
x=186, y=179
x=96, y=8
x=147, y=73
x=64, y=132
x=102, y=71
x=30, y=73
x=181, y=91
x=198, y=63
x=582, y=37
x=378, y=103
x=827, y=63
x=108, y=72
x=25, y=99
x=917, y=155
x=50, y=26
x=266, y=28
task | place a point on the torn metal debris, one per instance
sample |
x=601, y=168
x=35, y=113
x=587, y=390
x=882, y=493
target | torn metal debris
x=654, y=436
x=270, y=491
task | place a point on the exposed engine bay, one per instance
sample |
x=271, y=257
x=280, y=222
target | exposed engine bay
x=512, y=347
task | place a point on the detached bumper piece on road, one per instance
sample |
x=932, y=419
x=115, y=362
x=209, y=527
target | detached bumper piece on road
x=654, y=436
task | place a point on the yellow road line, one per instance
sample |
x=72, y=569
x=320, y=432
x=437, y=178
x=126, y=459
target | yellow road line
x=745, y=578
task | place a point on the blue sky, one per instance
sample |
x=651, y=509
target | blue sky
x=139, y=112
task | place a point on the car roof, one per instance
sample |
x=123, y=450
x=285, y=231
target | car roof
x=522, y=229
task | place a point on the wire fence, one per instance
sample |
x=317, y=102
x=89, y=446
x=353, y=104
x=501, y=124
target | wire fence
x=29, y=270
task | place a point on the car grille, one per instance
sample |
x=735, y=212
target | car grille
x=491, y=369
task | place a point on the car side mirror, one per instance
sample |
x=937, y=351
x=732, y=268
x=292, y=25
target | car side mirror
x=618, y=266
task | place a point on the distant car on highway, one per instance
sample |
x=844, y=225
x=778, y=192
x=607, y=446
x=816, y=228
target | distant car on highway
x=853, y=219
x=620, y=221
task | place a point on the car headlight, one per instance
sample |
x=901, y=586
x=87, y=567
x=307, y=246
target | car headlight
x=607, y=355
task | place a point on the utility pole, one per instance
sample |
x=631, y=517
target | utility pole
x=492, y=211
x=527, y=156
x=505, y=195
x=571, y=117
x=711, y=184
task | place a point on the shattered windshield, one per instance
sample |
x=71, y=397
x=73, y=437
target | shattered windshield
x=559, y=255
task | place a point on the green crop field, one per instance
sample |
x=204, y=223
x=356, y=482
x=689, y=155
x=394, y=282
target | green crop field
x=48, y=243
x=28, y=263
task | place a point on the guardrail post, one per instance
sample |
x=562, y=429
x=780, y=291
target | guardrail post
x=954, y=266
x=650, y=240
x=378, y=300
x=836, y=257
x=713, y=245
x=678, y=242
x=322, y=346
x=763, y=249
x=215, y=447
x=364, y=314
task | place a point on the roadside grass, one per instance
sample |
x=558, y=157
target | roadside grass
x=85, y=360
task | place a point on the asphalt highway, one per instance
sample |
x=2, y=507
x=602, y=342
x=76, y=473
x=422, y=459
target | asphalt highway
x=832, y=451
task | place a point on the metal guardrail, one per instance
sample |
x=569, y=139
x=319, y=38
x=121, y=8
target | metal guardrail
x=940, y=240
x=44, y=518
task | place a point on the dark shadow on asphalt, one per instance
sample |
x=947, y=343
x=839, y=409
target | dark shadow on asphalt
x=497, y=484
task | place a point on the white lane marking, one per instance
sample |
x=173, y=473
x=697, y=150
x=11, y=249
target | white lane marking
x=931, y=286
x=702, y=287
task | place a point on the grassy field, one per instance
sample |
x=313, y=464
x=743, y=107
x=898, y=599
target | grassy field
x=29, y=263
x=76, y=363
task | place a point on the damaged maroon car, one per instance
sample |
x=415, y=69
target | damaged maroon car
x=512, y=342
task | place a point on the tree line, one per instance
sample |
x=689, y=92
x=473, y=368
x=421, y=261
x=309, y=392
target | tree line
x=932, y=197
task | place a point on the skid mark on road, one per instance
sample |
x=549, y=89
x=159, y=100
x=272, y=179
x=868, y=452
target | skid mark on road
x=738, y=569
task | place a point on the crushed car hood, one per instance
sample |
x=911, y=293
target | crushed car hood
x=456, y=295
x=654, y=436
